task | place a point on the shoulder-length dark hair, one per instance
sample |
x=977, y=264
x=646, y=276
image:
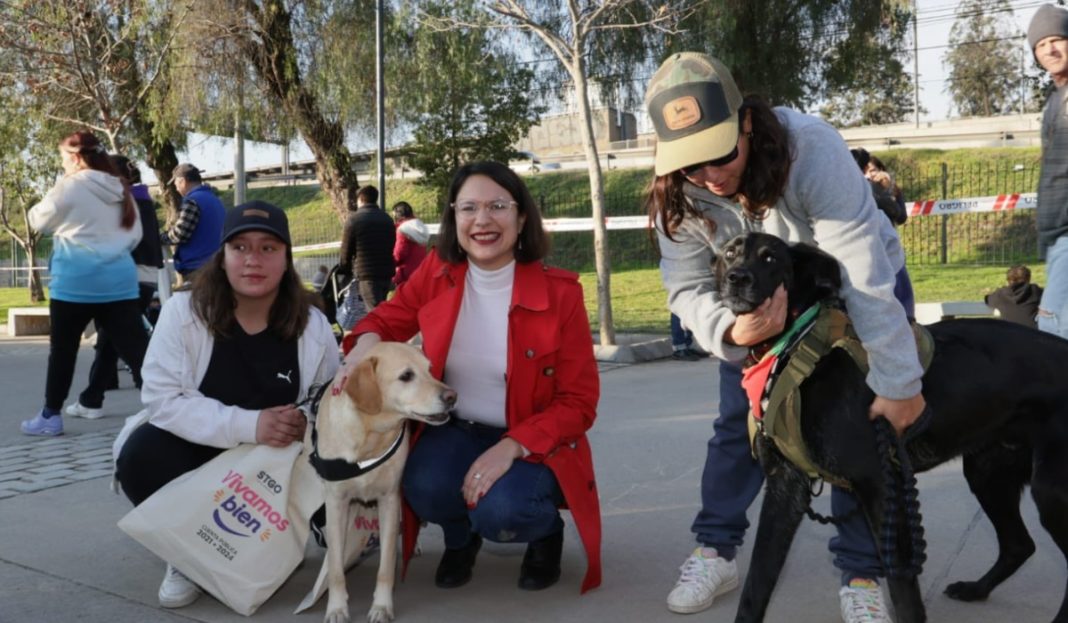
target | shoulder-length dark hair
x=533, y=242
x=767, y=169
x=95, y=156
x=214, y=302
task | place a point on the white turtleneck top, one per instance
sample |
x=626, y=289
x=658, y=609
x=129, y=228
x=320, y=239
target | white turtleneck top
x=478, y=357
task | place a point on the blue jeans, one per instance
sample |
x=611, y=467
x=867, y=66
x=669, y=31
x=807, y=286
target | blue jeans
x=680, y=338
x=733, y=478
x=520, y=507
x=1053, y=309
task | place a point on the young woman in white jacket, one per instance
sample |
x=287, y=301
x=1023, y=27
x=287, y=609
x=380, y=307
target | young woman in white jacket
x=94, y=224
x=227, y=364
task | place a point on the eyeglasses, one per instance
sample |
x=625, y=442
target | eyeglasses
x=468, y=209
x=718, y=162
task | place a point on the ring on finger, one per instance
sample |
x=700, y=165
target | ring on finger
x=478, y=476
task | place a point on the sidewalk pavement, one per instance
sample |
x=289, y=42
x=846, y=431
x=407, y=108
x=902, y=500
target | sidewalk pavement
x=63, y=560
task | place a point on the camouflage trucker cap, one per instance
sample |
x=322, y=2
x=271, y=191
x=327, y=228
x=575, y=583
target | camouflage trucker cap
x=693, y=103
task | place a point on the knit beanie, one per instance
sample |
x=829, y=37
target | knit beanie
x=1049, y=21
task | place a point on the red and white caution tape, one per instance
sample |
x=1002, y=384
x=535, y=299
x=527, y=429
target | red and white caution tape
x=974, y=204
x=933, y=207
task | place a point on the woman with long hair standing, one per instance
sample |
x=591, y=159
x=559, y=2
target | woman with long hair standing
x=94, y=225
x=727, y=165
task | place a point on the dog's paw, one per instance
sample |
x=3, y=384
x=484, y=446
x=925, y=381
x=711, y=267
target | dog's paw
x=380, y=614
x=967, y=591
x=337, y=615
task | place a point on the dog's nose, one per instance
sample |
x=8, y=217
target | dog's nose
x=739, y=277
x=448, y=396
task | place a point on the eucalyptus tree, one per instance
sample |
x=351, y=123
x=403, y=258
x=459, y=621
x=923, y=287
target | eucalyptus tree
x=309, y=71
x=801, y=52
x=865, y=80
x=593, y=42
x=985, y=59
x=99, y=65
x=29, y=163
x=483, y=108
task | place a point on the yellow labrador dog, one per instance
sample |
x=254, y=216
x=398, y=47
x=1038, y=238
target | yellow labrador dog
x=359, y=450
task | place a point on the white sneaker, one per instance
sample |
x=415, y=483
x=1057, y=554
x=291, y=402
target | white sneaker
x=862, y=602
x=76, y=409
x=177, y=591
x=703, y=578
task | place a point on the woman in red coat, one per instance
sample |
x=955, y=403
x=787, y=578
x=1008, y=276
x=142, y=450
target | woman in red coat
x=512, y=337
x=410, y=248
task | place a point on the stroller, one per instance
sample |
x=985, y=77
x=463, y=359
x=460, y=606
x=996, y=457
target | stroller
x=342, y=303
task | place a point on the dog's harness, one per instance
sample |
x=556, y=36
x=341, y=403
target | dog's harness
x=340, y=469
x=773, y=384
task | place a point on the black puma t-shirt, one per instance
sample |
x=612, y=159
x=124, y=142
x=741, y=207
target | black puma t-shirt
x=253, y=371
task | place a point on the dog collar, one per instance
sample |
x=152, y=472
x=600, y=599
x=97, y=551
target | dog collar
x=340, y=469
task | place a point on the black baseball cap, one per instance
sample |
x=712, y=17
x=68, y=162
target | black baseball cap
x=256, y=216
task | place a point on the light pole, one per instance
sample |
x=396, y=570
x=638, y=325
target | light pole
x=380, y=97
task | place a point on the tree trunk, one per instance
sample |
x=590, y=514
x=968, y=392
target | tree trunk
x=274, y=56
x=600, y=232
x=36, y=289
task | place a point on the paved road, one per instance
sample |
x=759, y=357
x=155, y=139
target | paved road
x=62, y=558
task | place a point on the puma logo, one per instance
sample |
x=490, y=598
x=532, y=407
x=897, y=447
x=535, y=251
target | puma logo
x=679, y=109
x=286, y=376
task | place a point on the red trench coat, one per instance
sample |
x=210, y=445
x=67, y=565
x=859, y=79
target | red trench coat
x=552, y=383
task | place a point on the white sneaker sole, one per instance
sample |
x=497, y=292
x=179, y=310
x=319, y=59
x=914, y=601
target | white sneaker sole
x=726, y=587
x=76, y=410
x=180, y=601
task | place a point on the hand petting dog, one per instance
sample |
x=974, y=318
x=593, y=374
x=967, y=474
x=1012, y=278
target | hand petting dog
x=355, y=356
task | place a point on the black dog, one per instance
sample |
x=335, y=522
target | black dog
x=1007, y=414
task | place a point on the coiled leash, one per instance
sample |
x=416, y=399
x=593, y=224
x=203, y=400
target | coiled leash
x=901, y=500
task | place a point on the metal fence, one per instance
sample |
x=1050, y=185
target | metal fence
x=991, y=238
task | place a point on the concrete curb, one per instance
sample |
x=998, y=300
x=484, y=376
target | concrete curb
x=634, y=349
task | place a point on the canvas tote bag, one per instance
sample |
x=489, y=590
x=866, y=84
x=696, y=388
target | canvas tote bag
x=236, y=526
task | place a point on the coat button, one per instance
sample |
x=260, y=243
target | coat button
x=530, y=353
x=549, y=371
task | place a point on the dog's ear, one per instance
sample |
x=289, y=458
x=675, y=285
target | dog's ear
x=815, y=273
x=363, y=388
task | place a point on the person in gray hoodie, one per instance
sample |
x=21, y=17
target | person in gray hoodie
x=94, y=224
x=727, y=166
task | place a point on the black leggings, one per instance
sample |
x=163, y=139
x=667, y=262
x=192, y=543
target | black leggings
x=121, y=320
x=103, y=374
x=152, y=457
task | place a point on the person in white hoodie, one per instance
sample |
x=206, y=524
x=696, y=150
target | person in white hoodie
x=228, y=362
x=94, y=224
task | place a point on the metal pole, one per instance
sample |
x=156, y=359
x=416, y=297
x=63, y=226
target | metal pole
x=945, y=237
x=915, y=64
x=1023, y=80
x=380, y=97
x=239, y=151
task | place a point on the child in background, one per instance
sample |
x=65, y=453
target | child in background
x=1018, y=301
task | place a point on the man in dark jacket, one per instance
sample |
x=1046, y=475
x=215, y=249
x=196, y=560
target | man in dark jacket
x=367, y=248
x=1018, y=301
